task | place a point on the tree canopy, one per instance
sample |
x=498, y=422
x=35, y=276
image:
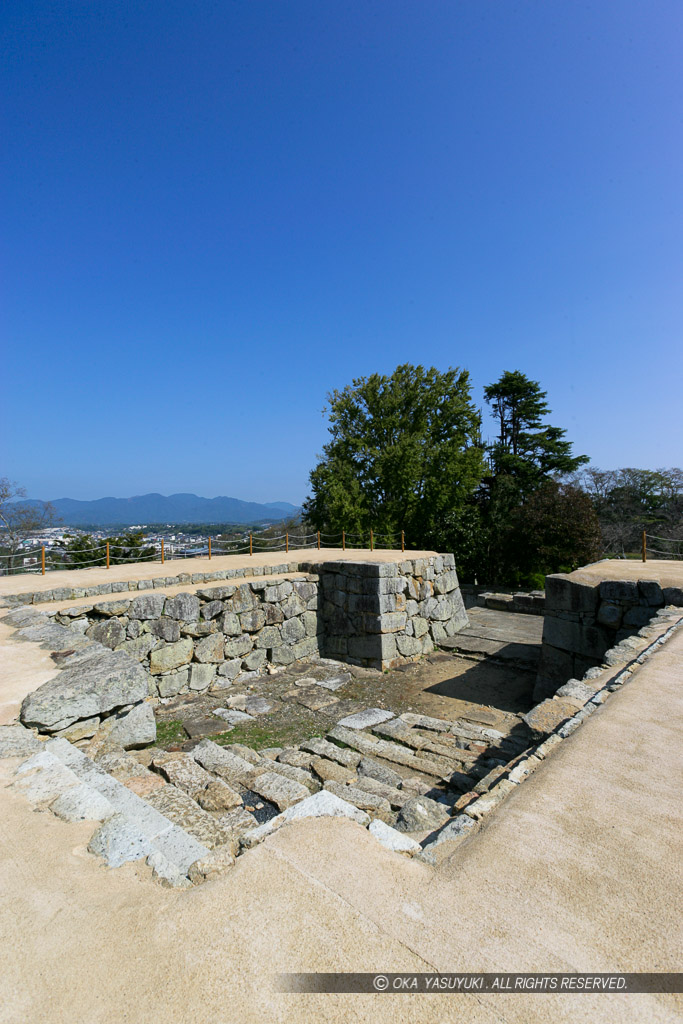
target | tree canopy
x=405, y=450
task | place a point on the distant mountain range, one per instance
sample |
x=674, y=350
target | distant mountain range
x=176, y=508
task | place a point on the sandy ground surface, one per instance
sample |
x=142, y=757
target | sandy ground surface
x=579, y=870
x=669, y=572
x=33, y=582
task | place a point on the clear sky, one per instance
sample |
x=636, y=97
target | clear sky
x=215, y=212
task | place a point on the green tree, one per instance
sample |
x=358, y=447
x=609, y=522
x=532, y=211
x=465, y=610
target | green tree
x=526, y=455
x=82, y=550
x=19, y=522
x=405, y=453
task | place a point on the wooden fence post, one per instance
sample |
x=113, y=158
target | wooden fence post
x=644, y=546
x=343, y=540
x=107, y=554
x=209, y=549
x=318, y=540
x=162, y=550
x=251, y=544
x=372, y=541
x=287, y=542
x=42, y=559
x=403, y=541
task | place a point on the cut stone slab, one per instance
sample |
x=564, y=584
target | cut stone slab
x=448, y=837
x=366, y=719
x=393, y=840
x=426, y=722
x=167, y=872
x=335, y=682
x=323, y=748
x=185, y=812
x=382, y=773
x=183, y=772
x=320, y=805
x=366, y=743
x=170, y=656
x=213, y=866
x=331, y=771
x=79, y=730
x=258, y=706
x=486, y=803
x=278, y=790
x=222, y=762
x=135, y=729
x=97, y=686
x=120, y=840
x=17, y=741
x=290, y=772
x=396, y=797
x=420, y=813
x=43, y=778
x=233, y=717
x=219, y=796
x=578, y=690
x=377, y=806
x=314, y=700
x=82, y=803
x=547, y=716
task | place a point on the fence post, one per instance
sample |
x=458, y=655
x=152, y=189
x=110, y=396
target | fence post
x=403, y=541
x=343, y=540
x=318, y=540
x=209, y=549
x=287, y=542
x=162, y=550
x=42, y=559
x=251, y=544
x=107, y=554
x=644, y=546
x=372, y=541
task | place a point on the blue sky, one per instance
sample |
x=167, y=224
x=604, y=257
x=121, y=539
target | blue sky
x=216, y=212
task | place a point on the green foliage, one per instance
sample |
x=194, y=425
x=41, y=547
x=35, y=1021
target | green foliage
x=404, y=453
x=628, y=501
x=82, y=550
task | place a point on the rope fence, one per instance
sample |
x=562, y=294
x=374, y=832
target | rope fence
x=660, y=550
x=46, y=559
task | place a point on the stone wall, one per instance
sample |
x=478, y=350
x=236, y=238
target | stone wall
x=379, y=614
x=584, y=620
x=373, y=614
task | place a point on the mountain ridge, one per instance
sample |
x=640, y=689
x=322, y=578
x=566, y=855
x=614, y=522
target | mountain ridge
x=182, y=507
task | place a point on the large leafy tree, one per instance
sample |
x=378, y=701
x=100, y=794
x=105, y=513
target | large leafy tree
x=404, y=454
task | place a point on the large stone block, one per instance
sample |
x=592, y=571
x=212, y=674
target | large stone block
x=563, y=594
x=241, y=645
x=619, y=590
x=170, y=656
x=184, y=607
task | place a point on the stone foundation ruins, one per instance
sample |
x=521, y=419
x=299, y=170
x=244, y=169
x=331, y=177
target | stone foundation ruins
x=421, y=785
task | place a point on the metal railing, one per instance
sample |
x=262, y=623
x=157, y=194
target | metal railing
x=46, y=559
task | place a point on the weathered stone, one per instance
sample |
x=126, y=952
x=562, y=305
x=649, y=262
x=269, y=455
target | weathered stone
x=392, y=839
x=209, y=868
x=375, y=805
x=230, y=624
x=210, y=649
x=211, y=609
x=184, y=607
x=270, y=636
x=43, y=778
x=95, y=686
x=610, y=615
x=233, y=717
x=293, y=605
x=253, y=620
x=82, y=803
x=289, y=771
x=225, y=763
x=137, y=728
x=197, y=630
x=365, y=719
x=278, y=790
x=545, y=717
x=330, y=751
x=165, y=628
x=396, y=797
x=638, y=616
x=577, y=690
x=486, y=803
x=297, y=758
x=170, y=656
x=140, y=647
x=17, y=741
x=420, y=813
x=292, y=630
x=120, y=840
x=183, y=772
x=273, y=614
x=673, y=595
x=180, y=808
x=238, y=647
x=201, y=676
x=229, y=670
x=282, y=655
x=408, y=646
x=219, y=796
x=448, y=837
x=173, y=683
x=110, y=633
x=255, y=661
x=331, y=771
x=146, y=606
x=372, y=769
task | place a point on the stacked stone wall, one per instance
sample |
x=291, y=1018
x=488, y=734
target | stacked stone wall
x=584, y=620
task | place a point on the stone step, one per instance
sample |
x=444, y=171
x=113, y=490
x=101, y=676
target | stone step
x=401, y=732
x=376, y=806
x=133, y=815
x=366, y=743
